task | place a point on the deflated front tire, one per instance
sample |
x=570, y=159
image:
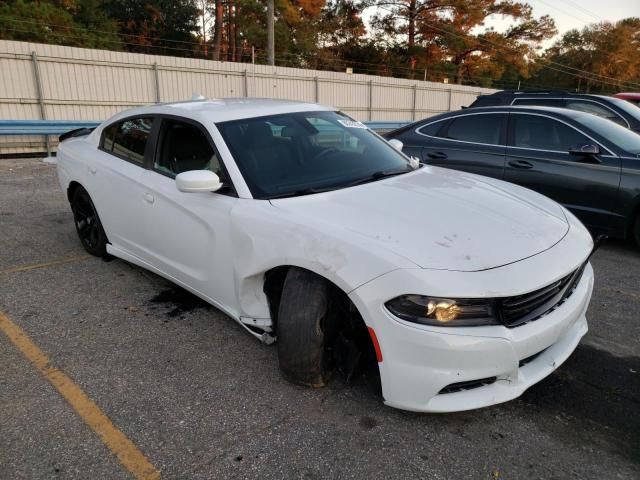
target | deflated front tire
x=302, y=321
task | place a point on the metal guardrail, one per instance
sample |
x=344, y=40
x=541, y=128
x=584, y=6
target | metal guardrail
x=42, y=127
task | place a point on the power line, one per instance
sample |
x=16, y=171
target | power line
x=580, y=73
x=584, y=73
x=569, y=14
x=585, y=10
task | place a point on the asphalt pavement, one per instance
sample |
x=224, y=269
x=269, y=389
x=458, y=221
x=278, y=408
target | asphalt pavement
x=201, y=399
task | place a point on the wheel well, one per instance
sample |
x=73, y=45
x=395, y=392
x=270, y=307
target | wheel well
x=71, y=189
x=633, y=219
x=348, y=332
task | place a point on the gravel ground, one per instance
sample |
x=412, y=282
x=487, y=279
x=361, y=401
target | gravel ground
x=202, y=399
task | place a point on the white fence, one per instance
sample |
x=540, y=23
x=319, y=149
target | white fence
x=64, y=83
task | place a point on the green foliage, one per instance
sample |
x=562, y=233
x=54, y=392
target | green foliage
x=155, y=26
x=432, y=39
x=602, y=57
x=451, y=35
x=79, y=23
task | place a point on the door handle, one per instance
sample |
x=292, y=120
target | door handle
x=437, y=155
x=92, y=170
x=149, y=198
x=520, y=164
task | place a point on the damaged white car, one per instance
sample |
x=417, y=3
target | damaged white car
x=307, y=227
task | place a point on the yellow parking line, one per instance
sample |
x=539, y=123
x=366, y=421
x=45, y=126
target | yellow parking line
x=59, y=261
x=128, y=454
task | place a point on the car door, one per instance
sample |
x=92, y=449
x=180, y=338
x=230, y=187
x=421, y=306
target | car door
x=538, y=157
x=121, y=158
x=188, y=234
x=473, y=142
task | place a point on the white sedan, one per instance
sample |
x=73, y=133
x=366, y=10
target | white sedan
x=306, y=227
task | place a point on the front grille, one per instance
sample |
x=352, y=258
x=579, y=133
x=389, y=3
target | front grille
x=521, y=309
x=468, y=385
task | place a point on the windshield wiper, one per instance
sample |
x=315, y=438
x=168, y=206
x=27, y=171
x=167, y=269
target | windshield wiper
x=377, y=176
x=301, y=192
x=369, y=178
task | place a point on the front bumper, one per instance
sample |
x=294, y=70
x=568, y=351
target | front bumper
x=420, y=361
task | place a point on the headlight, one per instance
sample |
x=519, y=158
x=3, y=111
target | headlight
x=459, y=312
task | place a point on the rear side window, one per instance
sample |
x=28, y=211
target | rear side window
x=596, y=109
x=540, y=102
x=431, y=129
x=128, y=139
x=485, y=128
x=109, y=137
x=543, y=133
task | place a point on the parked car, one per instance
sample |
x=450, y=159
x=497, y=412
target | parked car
x=589, y=165
x=630, y=97
x=304, y=225
x=614, y=109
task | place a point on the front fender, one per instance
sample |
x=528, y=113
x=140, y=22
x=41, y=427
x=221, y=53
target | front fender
x=265, y=237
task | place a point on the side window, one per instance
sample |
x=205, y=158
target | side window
x=541, y=102
x=184, y=147
x=128, y=139
x=482, y=128
x=596, y=109
x=532, y=131
x=109, y=137
x=431, y=129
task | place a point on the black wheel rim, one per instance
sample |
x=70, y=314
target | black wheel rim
x=86, y=220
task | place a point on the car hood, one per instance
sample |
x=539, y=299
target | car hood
x=439, y=218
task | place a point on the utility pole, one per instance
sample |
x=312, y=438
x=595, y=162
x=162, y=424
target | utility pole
x=271, y=57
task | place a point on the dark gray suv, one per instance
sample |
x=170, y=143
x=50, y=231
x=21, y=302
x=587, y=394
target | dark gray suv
x=614, y=109
x=587, y=163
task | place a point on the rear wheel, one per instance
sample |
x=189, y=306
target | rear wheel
x=303, y=322
x=88, y=225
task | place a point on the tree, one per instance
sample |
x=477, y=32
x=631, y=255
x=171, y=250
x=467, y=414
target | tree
x=342, y=23
x=602, y=57
x=80, y=23
x=161, y=27
x=449, y=34
x=489, y=51
x=217, y=28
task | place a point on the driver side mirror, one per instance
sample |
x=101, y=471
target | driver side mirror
x=585, y=149
x=397, y=144
x=198, y=181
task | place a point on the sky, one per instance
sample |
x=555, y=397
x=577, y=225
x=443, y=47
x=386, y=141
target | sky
x=570, y=14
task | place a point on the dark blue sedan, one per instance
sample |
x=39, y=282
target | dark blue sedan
x=587, y=163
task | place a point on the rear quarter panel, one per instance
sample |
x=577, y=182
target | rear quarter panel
x=629, y=194
x=73, y=162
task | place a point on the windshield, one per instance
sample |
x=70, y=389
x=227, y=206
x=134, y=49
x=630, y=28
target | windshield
x=619, y=136
x=308, y=152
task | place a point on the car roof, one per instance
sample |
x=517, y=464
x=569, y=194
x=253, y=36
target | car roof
x=628, y=95
x=224, y=109
x=541, y=93
x=554, y=111
x=508, y=108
